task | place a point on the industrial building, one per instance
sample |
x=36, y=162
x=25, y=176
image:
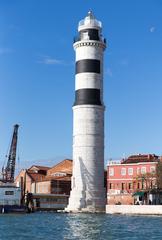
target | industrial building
x=49, y=187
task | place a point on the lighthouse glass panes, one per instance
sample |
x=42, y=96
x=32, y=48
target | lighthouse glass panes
x=88, y=193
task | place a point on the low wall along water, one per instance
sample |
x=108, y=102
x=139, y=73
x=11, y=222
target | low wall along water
x=134, y=209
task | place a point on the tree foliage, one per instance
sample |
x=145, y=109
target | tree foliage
x=149, y=180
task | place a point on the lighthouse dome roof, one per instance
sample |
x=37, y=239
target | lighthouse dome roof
x=89, y=22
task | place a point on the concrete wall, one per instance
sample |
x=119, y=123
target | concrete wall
x=124, y=199
x=10, y=195
x=134, y=209
x=28, y=180
x=50, y=201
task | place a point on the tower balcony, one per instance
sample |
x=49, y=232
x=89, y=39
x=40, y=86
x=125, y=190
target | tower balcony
x=78, y=38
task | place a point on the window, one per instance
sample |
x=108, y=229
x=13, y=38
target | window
x=152, y=169
x=123, y=186
x=143, y=170
x=130, y=185
x=85, y=36
x=138, y=170
x=9, y=192
x=130, y=171
x=59, y=174
x=123, y=171
x=111, y=171
x=110, y=186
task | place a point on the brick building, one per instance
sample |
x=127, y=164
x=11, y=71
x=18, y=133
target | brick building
x=50, y=187
x=41, y=179
x=28, y=176
x=133, y=180
x=56, y=181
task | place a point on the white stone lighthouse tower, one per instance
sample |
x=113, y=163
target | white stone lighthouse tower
x=88, y=193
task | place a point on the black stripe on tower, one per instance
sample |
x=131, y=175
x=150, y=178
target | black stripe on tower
x=87, y=96
x=87, y=65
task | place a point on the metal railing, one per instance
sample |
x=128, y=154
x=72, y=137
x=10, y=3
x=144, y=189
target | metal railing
x=77, y=39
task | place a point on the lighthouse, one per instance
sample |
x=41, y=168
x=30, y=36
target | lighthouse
x=87, y=189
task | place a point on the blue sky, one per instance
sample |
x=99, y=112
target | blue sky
x=37, y=76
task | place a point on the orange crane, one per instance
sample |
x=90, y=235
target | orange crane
x=8, y=172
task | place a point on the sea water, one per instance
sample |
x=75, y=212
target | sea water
x=50, y=226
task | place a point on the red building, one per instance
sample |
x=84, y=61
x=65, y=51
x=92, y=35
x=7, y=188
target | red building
x=130, y=180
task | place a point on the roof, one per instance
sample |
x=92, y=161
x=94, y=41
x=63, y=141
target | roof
x=141, y=158
x=64, y=166
x=39, y=167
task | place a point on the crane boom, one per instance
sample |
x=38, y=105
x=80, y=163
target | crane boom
x=9, y=171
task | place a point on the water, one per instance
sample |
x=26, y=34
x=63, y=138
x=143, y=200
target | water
x=51, y=226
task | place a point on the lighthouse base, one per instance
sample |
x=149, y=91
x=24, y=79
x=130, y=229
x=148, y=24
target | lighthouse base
x=86, y=201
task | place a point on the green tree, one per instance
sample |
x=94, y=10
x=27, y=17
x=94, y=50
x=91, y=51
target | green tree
x=145, y=181
x=159, y=176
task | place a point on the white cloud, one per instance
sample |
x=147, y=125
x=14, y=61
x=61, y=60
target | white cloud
x=152, y=29
x=50, y=61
